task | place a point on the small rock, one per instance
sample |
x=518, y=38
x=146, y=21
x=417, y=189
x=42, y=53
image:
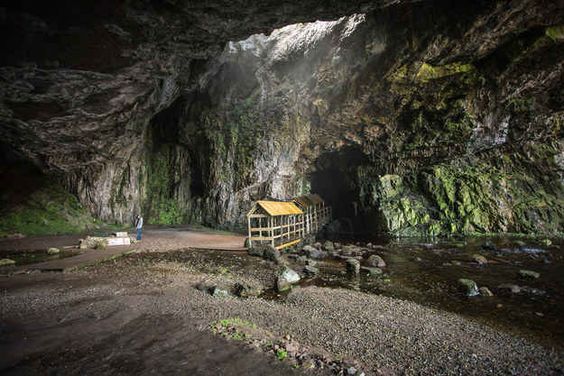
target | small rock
x=469, y=286
x=244, y=290
x=529, y=274
x=372, y=271
x=484, y=291
x=376, y=261
x=351, y=371
x=337, y=245
x=16, y=235
x=456, y=262
x=353, y=266
x=53, y=251
x=328, y=246
x=219, y=293
x=6, y=262
x=509, y=288
x=286, y=278
x=311, y=270
x=317, y=245
x=479, y=259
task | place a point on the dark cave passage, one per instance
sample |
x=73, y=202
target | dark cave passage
x=335, y=179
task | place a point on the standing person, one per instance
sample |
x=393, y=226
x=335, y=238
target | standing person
x=139, y=226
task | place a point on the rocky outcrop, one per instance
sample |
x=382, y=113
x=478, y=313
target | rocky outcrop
x=409, y=118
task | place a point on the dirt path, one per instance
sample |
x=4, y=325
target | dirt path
x=154, y=240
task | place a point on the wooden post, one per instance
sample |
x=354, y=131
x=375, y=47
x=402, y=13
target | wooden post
x=271, y=221
x=249, y=223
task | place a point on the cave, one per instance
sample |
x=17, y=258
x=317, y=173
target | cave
x=335, y=179
x=136, y=137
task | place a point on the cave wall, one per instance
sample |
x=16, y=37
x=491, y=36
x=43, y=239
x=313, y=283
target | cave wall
x=455, y=108
x=458, y=123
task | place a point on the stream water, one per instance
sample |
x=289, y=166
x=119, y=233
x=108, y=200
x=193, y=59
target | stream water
x=428, y=273
x=33, y=257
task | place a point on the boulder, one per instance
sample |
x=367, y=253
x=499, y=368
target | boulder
x=286, y=279
x=479, y=259
x=376, y=261
x=484, y=291
x=529, y=274
x=353, y=266
x=469, y=287
x=6, y=262
x=53, y=251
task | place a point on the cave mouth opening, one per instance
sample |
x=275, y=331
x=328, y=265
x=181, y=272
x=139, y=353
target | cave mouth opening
x=335, y=179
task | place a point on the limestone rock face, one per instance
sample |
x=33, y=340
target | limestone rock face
x=408, y=117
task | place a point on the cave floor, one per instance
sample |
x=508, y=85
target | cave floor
x=30, y=250
x=152, y=312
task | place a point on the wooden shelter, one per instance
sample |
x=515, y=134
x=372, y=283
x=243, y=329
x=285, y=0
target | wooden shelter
x=316, y=214
x=276, y=223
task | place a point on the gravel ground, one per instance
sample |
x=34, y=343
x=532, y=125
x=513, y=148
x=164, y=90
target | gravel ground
x=151, y=300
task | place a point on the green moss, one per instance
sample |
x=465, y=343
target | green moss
x=49, y=210
x=281, y=354
x=427, y=72
x=162, y=206
x=556, y=33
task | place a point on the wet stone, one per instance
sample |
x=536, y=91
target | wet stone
x=479, y=259
x=484, y=291
x=529, y=274
x=53, y=251
x=6, y=262
x=353, y=266
x=376, y=261
x=469, y=287
x=286, y=278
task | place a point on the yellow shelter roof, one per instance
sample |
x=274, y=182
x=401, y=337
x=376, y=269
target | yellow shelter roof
x=275, y=208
